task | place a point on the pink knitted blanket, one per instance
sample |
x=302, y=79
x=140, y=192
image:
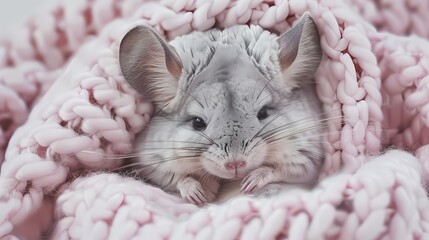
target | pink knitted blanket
x=65, y=109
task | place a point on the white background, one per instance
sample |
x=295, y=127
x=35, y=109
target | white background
x=15, y=12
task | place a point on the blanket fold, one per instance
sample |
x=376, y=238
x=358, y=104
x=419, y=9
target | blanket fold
x=343, y=206
x=65, y=109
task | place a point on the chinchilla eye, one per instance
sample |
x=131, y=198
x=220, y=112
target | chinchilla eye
x=198, y=124
x=262, y=114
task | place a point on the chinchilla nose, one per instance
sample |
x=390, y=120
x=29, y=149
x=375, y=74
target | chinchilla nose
x=235, y=164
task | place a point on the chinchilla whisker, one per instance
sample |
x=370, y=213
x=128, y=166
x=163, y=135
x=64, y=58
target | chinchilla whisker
x=293, y=131
x=256, y=144
x=114, y=156
x=126, y=166
x=277, y=89
x=154, y=121
x=205, y=99
x=262, y=99
x=139, y=154
x=118, y=156
x=196, y=100
x=137, y=171
x=184, y=151
x=195, y=149
x=175, y=148
x=276, y=140
x=286, y=134
x=297, y=121
x=257, y=134
x=283, y=129
x=208, y=138
x=182, y=157
x=165, y=160
x=266, y=125
x=206, y=144
x=322, y=122
x=266, y=84
x=253, y=157
x=288, y=140
x=268, y=95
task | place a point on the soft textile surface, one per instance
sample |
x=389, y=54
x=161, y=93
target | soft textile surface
x=377, y=80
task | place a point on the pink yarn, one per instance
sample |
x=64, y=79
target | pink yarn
x=345, y=206
x=376, y=81
x=403, y=17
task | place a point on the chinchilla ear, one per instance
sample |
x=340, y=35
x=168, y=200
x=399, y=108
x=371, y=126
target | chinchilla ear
x=150, y=65
x=299, y=51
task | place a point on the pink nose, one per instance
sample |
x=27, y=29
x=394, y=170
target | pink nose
x=235, y=165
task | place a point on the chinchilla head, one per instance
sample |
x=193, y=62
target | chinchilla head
x=228, y=101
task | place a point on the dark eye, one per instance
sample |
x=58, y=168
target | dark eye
x=262, y=114
x=198, y=124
